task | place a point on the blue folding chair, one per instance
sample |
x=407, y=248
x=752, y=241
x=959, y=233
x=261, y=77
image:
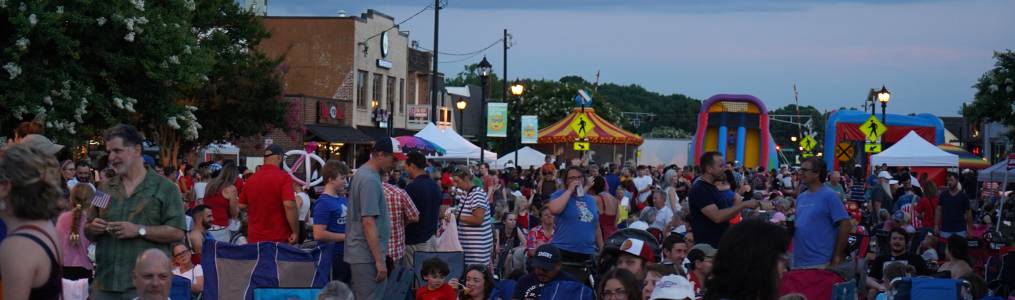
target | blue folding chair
x=180, y=289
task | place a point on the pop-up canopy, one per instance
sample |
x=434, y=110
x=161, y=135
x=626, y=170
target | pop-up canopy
x=914, y=151
x=456, y=147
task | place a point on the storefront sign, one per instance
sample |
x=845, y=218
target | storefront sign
x=329, y=111
x=417, y=116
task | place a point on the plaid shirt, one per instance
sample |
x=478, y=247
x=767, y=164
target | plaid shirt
x=402, y=209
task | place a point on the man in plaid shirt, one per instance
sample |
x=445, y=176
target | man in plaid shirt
x=403, y=212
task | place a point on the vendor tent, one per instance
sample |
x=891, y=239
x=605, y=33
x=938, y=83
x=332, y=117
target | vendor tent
x=966, y=160
x=996, y=172
x=455, y=146
x=914, y=151
x=526, y=157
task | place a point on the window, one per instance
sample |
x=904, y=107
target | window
x=377, y=90
x=422, y=88
x=401, y=95
x=389, y=98
x=413, y=89
x=361, y=89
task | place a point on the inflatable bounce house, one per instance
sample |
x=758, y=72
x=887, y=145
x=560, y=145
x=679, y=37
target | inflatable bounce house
x=736, y=126
x=843, y=126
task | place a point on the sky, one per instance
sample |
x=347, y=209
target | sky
x=928, y=53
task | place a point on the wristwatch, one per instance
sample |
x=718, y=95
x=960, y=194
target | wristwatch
x=141, y=231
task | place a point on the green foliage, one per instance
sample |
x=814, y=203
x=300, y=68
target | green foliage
x=674, y=110
x=995, y=92
x=667, y=132
x=783, y=131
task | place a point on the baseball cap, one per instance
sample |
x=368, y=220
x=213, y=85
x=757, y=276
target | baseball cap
x=673, y=287
x=885, y=175
x=639, y=225
x=273, y=149
x=547, y=257
x=148, y=160
x=389, y=145
x=705, y=248
x=638, y=248
x=41, y=143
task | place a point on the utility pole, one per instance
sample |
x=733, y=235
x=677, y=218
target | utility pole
x=433, y=74
x=504, y=92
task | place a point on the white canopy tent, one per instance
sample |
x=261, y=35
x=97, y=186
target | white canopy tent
x=526, y=157
x=996, y=172
x=456, y=147
x=913, y=151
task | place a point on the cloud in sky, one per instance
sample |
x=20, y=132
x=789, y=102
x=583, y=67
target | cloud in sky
x=928, y=53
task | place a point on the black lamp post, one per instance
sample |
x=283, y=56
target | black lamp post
x=484, y=76
x=517, y=89
x=461, y=105
x=883, y=96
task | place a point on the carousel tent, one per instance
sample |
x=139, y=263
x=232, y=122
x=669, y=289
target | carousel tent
x=456, y=147
x=611, y=141
x=914, y=151
x=526, y=157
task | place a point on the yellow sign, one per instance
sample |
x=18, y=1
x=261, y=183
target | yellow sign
x=873, y=129
x=807, y=154
x=872, y=147
x=581, y=146
x=808, y=143
x=844, y=151
x=582, y=125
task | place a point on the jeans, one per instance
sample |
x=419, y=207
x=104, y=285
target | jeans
x=945, y=234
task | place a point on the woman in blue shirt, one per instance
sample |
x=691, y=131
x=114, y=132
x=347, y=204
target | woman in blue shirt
x=577, y=233
x=329, y=216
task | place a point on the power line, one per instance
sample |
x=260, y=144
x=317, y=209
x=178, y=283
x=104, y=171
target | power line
x=473, y=53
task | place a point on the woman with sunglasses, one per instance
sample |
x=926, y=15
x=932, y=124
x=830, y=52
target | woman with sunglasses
x=578, y=234
x=183, y=267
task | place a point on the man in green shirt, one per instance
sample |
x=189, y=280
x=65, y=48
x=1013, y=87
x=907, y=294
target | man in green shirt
x=835, y=183
x=144, y=211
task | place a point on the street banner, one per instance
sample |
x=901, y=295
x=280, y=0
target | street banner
x=496, y=119
x=530, y=129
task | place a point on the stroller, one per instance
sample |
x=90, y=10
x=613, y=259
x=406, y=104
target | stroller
x=611, y=248
x=929, y=288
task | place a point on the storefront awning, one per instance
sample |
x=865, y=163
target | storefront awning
x=339, y=134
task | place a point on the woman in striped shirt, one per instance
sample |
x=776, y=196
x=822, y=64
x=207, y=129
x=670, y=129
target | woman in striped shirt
x=475, y=226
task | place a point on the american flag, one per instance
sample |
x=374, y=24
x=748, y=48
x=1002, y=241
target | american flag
x=101, y=200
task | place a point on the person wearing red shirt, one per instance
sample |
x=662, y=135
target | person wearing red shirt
x=270, y=202
x=434, y=270
x=927, y=205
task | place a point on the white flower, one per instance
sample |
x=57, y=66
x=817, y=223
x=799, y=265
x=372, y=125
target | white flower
x=3, y=3
x=19, y=111
x=22, y=43
x=141, y=20
x=48, y=100
x=118, y=102
x=186, y=49
x=32, y=19
x=22, y=7
x=190, y=5
x=1008, y=89
x=172, y=123
x=100, y=20
x=129, y=22
x=173, y=59
x=59, y=9
x=139, y=4
x=129, y=37
x=204, y=77
x=993, y=88
x=13, y=69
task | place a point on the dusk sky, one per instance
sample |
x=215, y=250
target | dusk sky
x=928, y=53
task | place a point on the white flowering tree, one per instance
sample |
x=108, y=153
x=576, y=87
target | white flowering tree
x=995, y=92
x=90, y=64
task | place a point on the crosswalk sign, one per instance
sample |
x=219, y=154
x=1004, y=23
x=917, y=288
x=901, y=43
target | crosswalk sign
x=808, y=143
x=581, y=146
x=582, y=125
x=873, y=129
x=872, y=147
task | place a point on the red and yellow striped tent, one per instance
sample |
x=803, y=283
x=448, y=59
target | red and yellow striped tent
x=603, y=132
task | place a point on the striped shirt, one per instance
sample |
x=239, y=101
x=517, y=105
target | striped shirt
x=477, y=241
x=401, y=209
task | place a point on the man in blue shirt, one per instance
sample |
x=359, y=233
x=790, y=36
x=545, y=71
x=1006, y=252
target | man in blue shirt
x=426, y=195
x=330, y=211
x=822, y=224
x=612, y=179
x=953, y=214
x=546, y=269
x=577, y=232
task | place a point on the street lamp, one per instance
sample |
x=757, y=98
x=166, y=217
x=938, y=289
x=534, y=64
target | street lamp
x=461, y=105
x=484, y=75
x=792, y=139
x=883, y=96
x=373, y=104
x=517, y=89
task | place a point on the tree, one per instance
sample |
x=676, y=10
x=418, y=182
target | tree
x=666, y=132
x=995, y=93
x=783, y=131
x=675, y=110
x=91, y=64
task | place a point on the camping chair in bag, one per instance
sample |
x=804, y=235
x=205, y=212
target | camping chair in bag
x=844, y=290
x=399, y=283
x=927, y=288
x=503, y=290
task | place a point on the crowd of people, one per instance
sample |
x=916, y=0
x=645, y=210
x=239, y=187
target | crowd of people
x=125, y=227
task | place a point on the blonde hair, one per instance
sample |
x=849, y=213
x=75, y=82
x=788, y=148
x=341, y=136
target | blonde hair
x=81, y=201
x=36, y=183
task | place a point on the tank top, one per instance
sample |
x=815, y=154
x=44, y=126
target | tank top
x=219, y=208
x=53, y=287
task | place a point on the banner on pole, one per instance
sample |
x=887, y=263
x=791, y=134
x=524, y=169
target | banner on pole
x=530, y=129
x=496, y=119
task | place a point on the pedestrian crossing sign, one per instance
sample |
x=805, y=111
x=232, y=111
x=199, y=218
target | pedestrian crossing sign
x=582, y=125
x=872, y=129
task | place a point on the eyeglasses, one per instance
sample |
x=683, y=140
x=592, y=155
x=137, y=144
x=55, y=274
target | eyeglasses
x=614, y=293
x=574, y=177
x=180, y=254
x=806, y=169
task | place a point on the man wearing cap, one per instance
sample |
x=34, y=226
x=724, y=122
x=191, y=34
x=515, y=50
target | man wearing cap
x=545, y=266
x=41, y=143
x=270, y=202
x=369, y=223
x=673, y=287
x=701, y=266
x=635, y=256
x=881, y=195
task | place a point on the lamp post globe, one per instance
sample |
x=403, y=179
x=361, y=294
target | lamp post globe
x=884, y=96
x=517, y=89
x=461, y=105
